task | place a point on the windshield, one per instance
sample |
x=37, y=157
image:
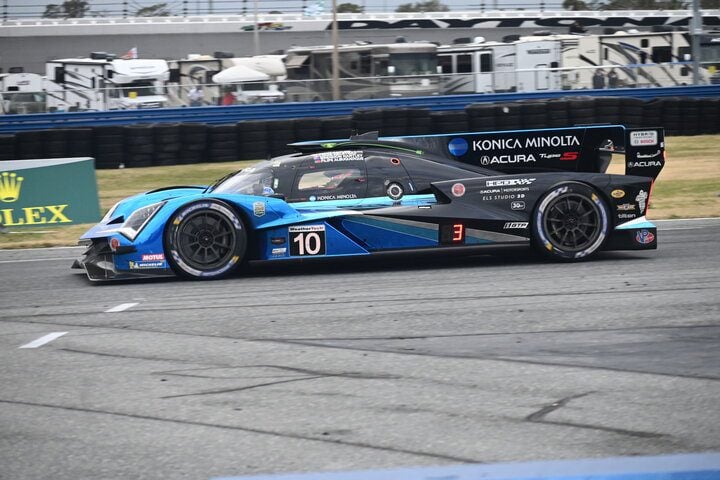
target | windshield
x=256, y=180
x=414, y=63
x=141, y=89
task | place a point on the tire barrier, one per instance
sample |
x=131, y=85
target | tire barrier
x=142, y=145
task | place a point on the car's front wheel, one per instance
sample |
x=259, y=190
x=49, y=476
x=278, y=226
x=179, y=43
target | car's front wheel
x=205, y=240
x=570, y=222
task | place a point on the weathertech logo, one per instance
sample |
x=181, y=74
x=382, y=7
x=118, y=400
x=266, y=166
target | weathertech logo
x=10, y=185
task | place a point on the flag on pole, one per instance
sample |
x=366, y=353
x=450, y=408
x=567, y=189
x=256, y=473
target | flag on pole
x=132, y=53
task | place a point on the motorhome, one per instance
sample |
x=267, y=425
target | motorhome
x=22, y=93
x=251, y=79
x=477, y=66
x=102, y=82
x=643, y=59
x=366, y=70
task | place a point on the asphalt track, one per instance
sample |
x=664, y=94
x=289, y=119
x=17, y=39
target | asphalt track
x=367, y=364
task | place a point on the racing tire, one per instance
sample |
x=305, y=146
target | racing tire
x=570, y=222
x=205, y=240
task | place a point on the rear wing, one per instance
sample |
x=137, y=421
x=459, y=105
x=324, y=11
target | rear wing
x=574, y=149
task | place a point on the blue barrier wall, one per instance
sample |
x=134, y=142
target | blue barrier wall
x=234, y=114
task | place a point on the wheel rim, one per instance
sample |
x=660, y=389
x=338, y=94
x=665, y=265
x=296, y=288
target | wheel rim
x=573, y=222
x=206, y=240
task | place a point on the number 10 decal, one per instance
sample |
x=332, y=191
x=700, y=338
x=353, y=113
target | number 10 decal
x=307, y=240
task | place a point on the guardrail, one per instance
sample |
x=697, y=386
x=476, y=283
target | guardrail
x=235, y=113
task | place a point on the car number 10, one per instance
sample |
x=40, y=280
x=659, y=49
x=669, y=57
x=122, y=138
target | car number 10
x=307, y=243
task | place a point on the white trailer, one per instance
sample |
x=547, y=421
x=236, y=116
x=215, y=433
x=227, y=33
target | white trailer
x=102, y=82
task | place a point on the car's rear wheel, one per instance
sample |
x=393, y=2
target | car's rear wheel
x=205, y=240
x=570, y=222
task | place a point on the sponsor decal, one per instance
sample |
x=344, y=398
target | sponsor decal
x=144, y=265
x=509, y=182
x=10, y=187
x=644, y=164
x=306, y=228
x=569, y=156
x=344, y=196
x=458, y=146
x=644, y=237
x=538, y=51
x=626, y=207
x=514, y=225
x=342, y=156
x=259, y=209
x=458, y=189
x=153, y=257
x=307, y=240
x=278, y=251
x=529, y=142
x=626, y=216
x=641, y=199
x=648, y=155
x=277, y=240
x=548, y=156
x=644, y=138
x=617, y=193
x=517, y=205
x=506, y=159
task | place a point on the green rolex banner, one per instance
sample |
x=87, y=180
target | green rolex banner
x=57, y=191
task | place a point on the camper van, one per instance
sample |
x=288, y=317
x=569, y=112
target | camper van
x=102, y=82
x=366, y=70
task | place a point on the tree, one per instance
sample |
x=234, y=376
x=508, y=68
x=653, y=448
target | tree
x=69, y=9
x=349, y=8
x=429, y=6
x=575, y=5
x=157, y=10
x=53, y=11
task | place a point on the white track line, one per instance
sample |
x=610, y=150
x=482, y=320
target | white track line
x=43, y=340
x=120, y=308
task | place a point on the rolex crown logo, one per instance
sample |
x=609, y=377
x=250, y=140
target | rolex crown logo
x=10, y=187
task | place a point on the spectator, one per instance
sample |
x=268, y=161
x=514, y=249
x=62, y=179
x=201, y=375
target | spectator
x=196, y=96
x=612, y=77
x=598, y=79
x=228, y=98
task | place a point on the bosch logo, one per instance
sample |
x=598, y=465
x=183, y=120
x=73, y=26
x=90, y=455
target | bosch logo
x=458, y=146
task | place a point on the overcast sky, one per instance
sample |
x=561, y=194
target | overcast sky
x=35, y=8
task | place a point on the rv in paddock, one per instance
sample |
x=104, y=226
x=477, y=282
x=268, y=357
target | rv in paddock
x=103, y=82
x=22, y=93
x=568, y=62
x=367, y=70
x=246, y=77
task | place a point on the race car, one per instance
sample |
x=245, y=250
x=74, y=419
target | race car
x=465, y=192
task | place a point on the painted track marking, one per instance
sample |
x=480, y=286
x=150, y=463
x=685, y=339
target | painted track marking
x=43, y=340
x=120, y=308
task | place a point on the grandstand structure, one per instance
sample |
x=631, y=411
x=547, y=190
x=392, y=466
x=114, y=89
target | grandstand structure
x=29, y=43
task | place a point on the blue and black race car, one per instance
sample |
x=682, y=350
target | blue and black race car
x=367, y=195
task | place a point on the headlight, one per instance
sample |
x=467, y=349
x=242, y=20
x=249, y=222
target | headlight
x=138, y=219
